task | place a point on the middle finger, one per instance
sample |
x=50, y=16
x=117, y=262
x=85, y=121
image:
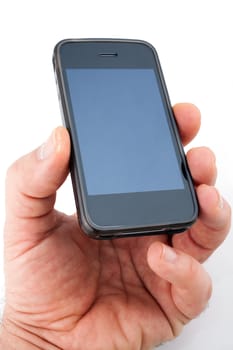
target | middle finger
x=202, y=164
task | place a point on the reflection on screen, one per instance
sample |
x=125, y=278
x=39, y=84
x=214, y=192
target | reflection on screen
x=124, y=138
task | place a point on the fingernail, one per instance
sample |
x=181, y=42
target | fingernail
x=220, y=200
x=169, y=254
x=47, y=148
x=221, y=203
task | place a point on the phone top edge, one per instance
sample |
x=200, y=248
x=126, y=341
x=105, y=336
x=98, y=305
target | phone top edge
x=107, y=40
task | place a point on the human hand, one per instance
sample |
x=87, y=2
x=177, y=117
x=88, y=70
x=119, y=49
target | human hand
x=66, y=291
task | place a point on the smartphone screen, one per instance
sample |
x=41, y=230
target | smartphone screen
x=125, y=141
x=129, y=170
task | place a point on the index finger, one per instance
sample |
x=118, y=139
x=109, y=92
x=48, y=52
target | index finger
x=188, y=118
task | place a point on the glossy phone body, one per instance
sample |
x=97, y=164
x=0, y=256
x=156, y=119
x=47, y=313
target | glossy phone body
x=129, y=172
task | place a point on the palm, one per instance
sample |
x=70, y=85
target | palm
x=82, y=287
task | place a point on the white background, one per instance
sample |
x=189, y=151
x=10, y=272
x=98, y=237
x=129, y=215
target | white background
x=194, y=40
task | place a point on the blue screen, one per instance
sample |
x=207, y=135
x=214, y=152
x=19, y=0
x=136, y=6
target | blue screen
x=124, y=138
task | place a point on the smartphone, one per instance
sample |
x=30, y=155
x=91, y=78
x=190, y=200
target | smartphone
x=129, y=172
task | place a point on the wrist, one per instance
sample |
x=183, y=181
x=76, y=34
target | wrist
x=14, y=337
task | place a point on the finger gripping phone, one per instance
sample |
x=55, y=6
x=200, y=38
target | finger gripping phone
x=128, y=167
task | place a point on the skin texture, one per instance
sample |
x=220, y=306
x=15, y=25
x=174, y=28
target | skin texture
x=66, y=291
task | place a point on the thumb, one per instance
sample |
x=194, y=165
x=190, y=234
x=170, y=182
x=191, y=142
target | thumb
x=190, y=284
x=31, y=185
